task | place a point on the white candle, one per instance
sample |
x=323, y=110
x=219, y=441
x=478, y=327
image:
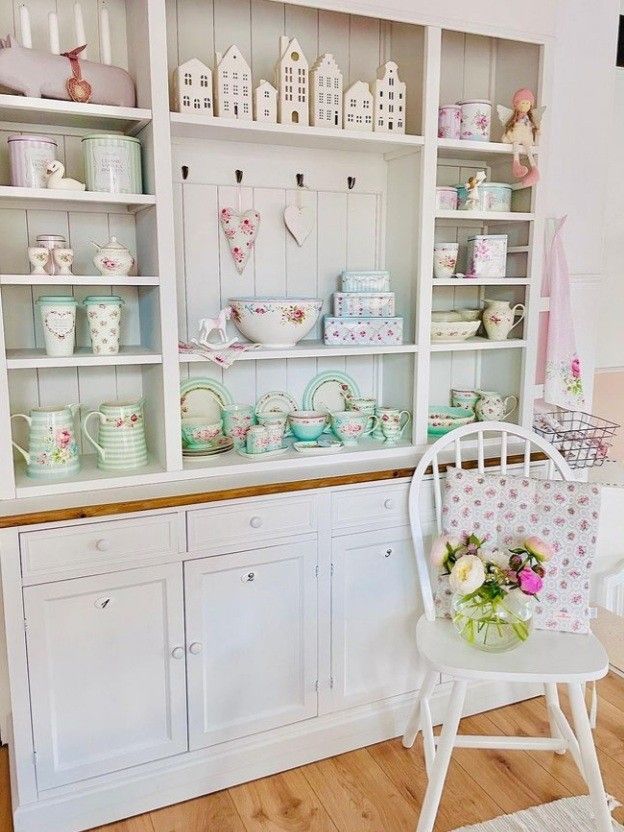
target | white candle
x=25, y=27
x=105, y=39
x=79, y=29
x=53, y=26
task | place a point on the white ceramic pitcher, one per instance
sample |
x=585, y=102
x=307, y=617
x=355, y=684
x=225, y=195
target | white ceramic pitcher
x=498, y=318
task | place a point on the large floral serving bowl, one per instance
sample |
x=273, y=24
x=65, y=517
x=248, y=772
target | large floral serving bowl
x=442, y=419
x=275, y=322
x=448, y=331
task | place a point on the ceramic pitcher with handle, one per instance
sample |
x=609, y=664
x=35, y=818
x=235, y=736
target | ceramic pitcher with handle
x=498, y=318
x=120, y=441
x=493, y=406
x=52, y=447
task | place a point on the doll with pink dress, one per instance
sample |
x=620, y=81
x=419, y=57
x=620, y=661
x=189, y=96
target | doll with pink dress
x=521, y=128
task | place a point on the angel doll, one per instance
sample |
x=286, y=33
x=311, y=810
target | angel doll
x=521, y=128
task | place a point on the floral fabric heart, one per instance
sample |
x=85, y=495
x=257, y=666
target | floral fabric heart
x=241, y=230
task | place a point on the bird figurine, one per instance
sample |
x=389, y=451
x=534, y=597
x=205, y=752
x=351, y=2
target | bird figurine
x=56, y=178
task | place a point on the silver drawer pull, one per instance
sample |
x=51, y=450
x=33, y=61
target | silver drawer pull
x=255, y=522
x=389, y=504
x=177, y=653
x=102, y=545
x=248, y=577
x=195, y=648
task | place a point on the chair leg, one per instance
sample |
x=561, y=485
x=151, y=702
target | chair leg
x=590, y=759
x=442, y=758
x=414, y=722
x=552, y=701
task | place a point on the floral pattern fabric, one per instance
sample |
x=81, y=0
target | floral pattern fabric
x=506, y=509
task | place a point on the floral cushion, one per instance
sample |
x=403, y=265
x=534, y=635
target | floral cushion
x=506, y=509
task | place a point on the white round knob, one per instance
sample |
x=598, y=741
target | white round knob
x=195, y=648
x=255, y=522
x=388, y=503
x=178, y=652
x=102, y=545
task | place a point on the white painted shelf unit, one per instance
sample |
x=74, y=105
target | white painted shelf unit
x=387, y=220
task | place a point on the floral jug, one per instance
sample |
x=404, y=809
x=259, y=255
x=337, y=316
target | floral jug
x=120, y=443
x=113, y=258
x=52, y=447
x=492, y=406
x=498, y=318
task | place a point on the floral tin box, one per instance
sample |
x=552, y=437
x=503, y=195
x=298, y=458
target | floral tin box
x=364, y=304
x=487, y=255
x=363, y=331
x=365, y=281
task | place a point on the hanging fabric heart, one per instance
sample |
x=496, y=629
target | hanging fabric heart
x=241, y=230
x=299, y=221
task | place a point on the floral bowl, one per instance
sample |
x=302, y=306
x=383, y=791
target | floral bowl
x=199, y=434
x=275, y=322
x=447, y=331
x=442, y=419
x=308, y=425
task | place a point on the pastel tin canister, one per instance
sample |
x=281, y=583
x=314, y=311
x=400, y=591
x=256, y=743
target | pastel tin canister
x=112, y=163
x=487, y=255
x=104, y=317
x=29, y=157
x=58, y=320
x=495, y=196
x=52, y=447
x=476, y=119
x=446, y=198
x=449, y=121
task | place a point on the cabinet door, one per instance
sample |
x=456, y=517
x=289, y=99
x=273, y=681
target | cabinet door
x=375, y=604
x=251, y=630
x=107, y=672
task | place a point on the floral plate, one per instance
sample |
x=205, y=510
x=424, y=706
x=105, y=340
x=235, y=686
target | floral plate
x=330, y=390
x=204, y=397
x=277, y=402
x=316, y=447
x=226, y=444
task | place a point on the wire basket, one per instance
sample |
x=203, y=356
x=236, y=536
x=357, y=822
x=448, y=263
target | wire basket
x=583, y=439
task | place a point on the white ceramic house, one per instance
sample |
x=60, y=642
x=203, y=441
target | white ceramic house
x=326, y=92
x=233, y=85
x=358, y=107
x=265, y=102
x=389, y=95
x=192, y=88
x=292, y=77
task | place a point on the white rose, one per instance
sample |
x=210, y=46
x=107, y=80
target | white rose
x=498, y=557
x=467, y=575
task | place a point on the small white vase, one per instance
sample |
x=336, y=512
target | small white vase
x=498, y=318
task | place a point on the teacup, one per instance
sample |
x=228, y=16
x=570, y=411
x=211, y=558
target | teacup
x=308, y=425
x=464, y=398
x=237, y=419
x=351, y=425
x=257, y=439
x=198, y=434
x=364, y=405
x=444, y=317
x=275, y=434
x=470, y=314
x=392, y=426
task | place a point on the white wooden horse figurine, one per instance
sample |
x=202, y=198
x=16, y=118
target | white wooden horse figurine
x=219, y=324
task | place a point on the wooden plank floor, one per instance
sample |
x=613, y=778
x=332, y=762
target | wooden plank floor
x=380, y=788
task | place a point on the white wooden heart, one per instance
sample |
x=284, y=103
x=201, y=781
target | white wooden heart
x=60, y=324
x=300, y=222
x=241, y=230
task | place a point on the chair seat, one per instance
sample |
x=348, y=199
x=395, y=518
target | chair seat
x=544, y=657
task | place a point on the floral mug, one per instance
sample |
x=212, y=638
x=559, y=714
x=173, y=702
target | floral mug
x=351, y=425
x=392, y=424
x=237, y=419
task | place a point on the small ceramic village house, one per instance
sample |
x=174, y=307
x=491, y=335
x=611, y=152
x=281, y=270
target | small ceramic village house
x=265, y=102
x=326, y=92
x=233, y=87
x=192, y=88
x=292, y=78
x=358, y=107
x=389, y=94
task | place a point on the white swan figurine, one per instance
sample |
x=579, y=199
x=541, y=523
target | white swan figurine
x=56, y=172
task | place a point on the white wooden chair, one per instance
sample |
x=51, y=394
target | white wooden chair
x=547, y=658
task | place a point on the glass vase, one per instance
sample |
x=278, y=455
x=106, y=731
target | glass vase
x=493, y=625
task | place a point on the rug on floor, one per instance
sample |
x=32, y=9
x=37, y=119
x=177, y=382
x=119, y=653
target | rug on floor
x=571, y=814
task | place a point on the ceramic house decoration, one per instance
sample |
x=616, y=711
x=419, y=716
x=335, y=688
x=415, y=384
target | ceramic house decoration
x=192, y=88
x=389, y=93
x=265, y=102
x=291, y=74
x=233, y=86
x=326, y=92
x=358, y=107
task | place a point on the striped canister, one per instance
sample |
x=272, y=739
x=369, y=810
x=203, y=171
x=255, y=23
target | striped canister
x=29, y=156
x=120, y=443
x=112, y=163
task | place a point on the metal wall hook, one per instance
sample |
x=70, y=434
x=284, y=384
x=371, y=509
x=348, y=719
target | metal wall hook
x=300, y=182
x=351, y=182
x=185, y=172
x=239, y=176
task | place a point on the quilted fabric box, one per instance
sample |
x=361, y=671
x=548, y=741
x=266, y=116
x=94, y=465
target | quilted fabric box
x=364, y=304
x=363, y=331
x=365, y=281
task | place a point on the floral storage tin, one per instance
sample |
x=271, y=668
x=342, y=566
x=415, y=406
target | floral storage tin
x=365, y=281
x=364, y=304
x=487, y=255
x=476, y=119
x=363, y=331
x=446, y=198
x=495, y=196
x=29, y=156
x=449, y=121
x=112, y=163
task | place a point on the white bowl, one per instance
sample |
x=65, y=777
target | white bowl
x=446, y=331
x=277, y=323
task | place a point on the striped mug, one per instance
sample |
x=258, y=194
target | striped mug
x=121, y=435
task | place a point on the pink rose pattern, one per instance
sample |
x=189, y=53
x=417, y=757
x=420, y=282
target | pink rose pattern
x=363, y=331
x=241, y=230
x=504, y=510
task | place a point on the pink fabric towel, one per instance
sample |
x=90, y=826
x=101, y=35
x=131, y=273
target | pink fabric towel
x=563, y=385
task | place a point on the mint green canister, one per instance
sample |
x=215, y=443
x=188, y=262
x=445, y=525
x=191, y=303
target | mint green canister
x=112, y=163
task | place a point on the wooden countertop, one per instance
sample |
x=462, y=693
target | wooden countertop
x=175, y=494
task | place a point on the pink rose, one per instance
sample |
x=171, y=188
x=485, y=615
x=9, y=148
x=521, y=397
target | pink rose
x=538, y=548
x=530, y=581
x=576, y=367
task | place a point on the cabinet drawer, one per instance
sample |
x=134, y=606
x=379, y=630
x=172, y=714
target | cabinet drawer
x=99, y=547
x=379, y=506
x=251, y=522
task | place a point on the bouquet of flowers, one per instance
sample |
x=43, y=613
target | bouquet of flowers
x=492, y=589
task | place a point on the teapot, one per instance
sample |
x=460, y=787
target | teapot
x=113, y=258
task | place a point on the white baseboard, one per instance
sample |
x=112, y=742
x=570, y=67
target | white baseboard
x=165, y=782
